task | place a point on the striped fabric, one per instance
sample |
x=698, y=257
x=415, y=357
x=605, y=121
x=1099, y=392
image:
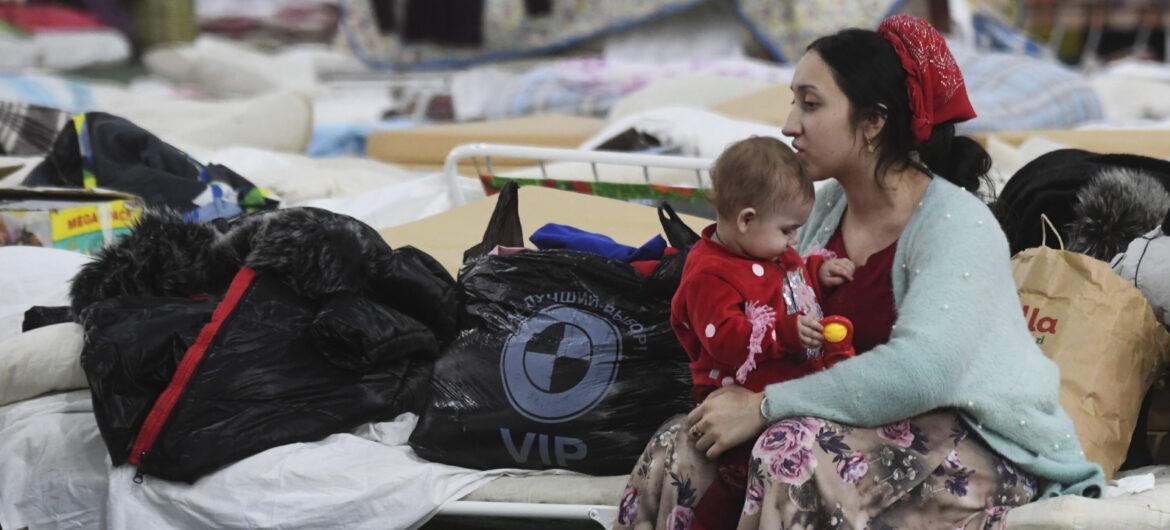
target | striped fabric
x=28, y=130
x=1018, y=92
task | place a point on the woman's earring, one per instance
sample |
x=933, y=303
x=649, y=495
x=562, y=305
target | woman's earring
x=869, y=146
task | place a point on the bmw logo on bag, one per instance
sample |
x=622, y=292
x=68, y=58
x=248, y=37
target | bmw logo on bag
x=560, y=363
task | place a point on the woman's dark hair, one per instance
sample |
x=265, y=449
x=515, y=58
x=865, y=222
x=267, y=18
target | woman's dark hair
x=870, y=73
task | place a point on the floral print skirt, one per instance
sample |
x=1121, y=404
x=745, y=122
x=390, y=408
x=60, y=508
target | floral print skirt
x=930, y=471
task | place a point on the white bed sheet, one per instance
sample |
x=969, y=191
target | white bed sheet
x=399, y=203
x=297, y=179
x=55, y=473
x=369, y=479
x=53, y=465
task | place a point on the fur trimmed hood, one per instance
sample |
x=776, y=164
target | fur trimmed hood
x=1088, y=196
x=316, y=253
x=1116, y=206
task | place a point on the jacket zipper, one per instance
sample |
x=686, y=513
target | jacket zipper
x=166, y=401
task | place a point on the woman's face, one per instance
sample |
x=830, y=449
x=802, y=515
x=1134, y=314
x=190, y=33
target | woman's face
x=825, y=142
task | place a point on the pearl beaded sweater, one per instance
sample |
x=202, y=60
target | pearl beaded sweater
x=959, y=341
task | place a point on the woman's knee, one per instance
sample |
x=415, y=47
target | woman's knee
x=786, y=448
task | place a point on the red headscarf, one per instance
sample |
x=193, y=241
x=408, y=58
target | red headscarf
x=933, y=81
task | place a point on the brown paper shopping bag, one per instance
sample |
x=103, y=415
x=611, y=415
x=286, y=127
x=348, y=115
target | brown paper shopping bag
x=1102, y=333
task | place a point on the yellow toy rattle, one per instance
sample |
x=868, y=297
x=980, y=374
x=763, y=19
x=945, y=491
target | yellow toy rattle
x=838, y=334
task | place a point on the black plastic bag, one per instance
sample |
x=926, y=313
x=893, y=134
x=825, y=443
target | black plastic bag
x=253, y=383
x=564, y=359
x=209, y=342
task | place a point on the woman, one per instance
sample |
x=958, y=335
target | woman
x=951, y=415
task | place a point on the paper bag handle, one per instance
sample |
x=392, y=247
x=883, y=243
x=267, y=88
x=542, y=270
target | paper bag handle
x=1044, y=233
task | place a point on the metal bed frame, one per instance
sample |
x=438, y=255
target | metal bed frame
x=541, y=155
x=599, y=514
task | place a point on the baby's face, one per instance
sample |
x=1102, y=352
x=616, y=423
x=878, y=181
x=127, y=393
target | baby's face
x=770, y=235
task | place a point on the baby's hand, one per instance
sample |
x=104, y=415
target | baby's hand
x=810, y=330
x=835, y=272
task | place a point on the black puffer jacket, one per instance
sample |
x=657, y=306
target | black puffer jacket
x=1049, y=185
x=209, y=343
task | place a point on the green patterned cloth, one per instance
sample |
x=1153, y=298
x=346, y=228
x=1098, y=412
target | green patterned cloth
x=614, y=190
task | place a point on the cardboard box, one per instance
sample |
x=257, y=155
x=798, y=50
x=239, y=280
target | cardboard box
x=427, y=147
x=70, y=219
x=447, y=235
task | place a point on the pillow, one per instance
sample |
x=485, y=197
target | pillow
x=32, y=276
x=40, y=361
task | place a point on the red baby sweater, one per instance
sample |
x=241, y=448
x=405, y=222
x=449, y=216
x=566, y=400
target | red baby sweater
x=729, y=305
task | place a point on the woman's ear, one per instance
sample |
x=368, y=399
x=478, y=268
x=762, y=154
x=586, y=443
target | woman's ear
x=873, y=124
x=745, y=217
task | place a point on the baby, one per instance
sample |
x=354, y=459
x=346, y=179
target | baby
x=747, y=310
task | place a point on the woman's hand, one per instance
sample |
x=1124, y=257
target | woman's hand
x=728, y=417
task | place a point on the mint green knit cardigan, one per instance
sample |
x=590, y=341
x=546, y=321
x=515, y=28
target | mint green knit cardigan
x=960, y=341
